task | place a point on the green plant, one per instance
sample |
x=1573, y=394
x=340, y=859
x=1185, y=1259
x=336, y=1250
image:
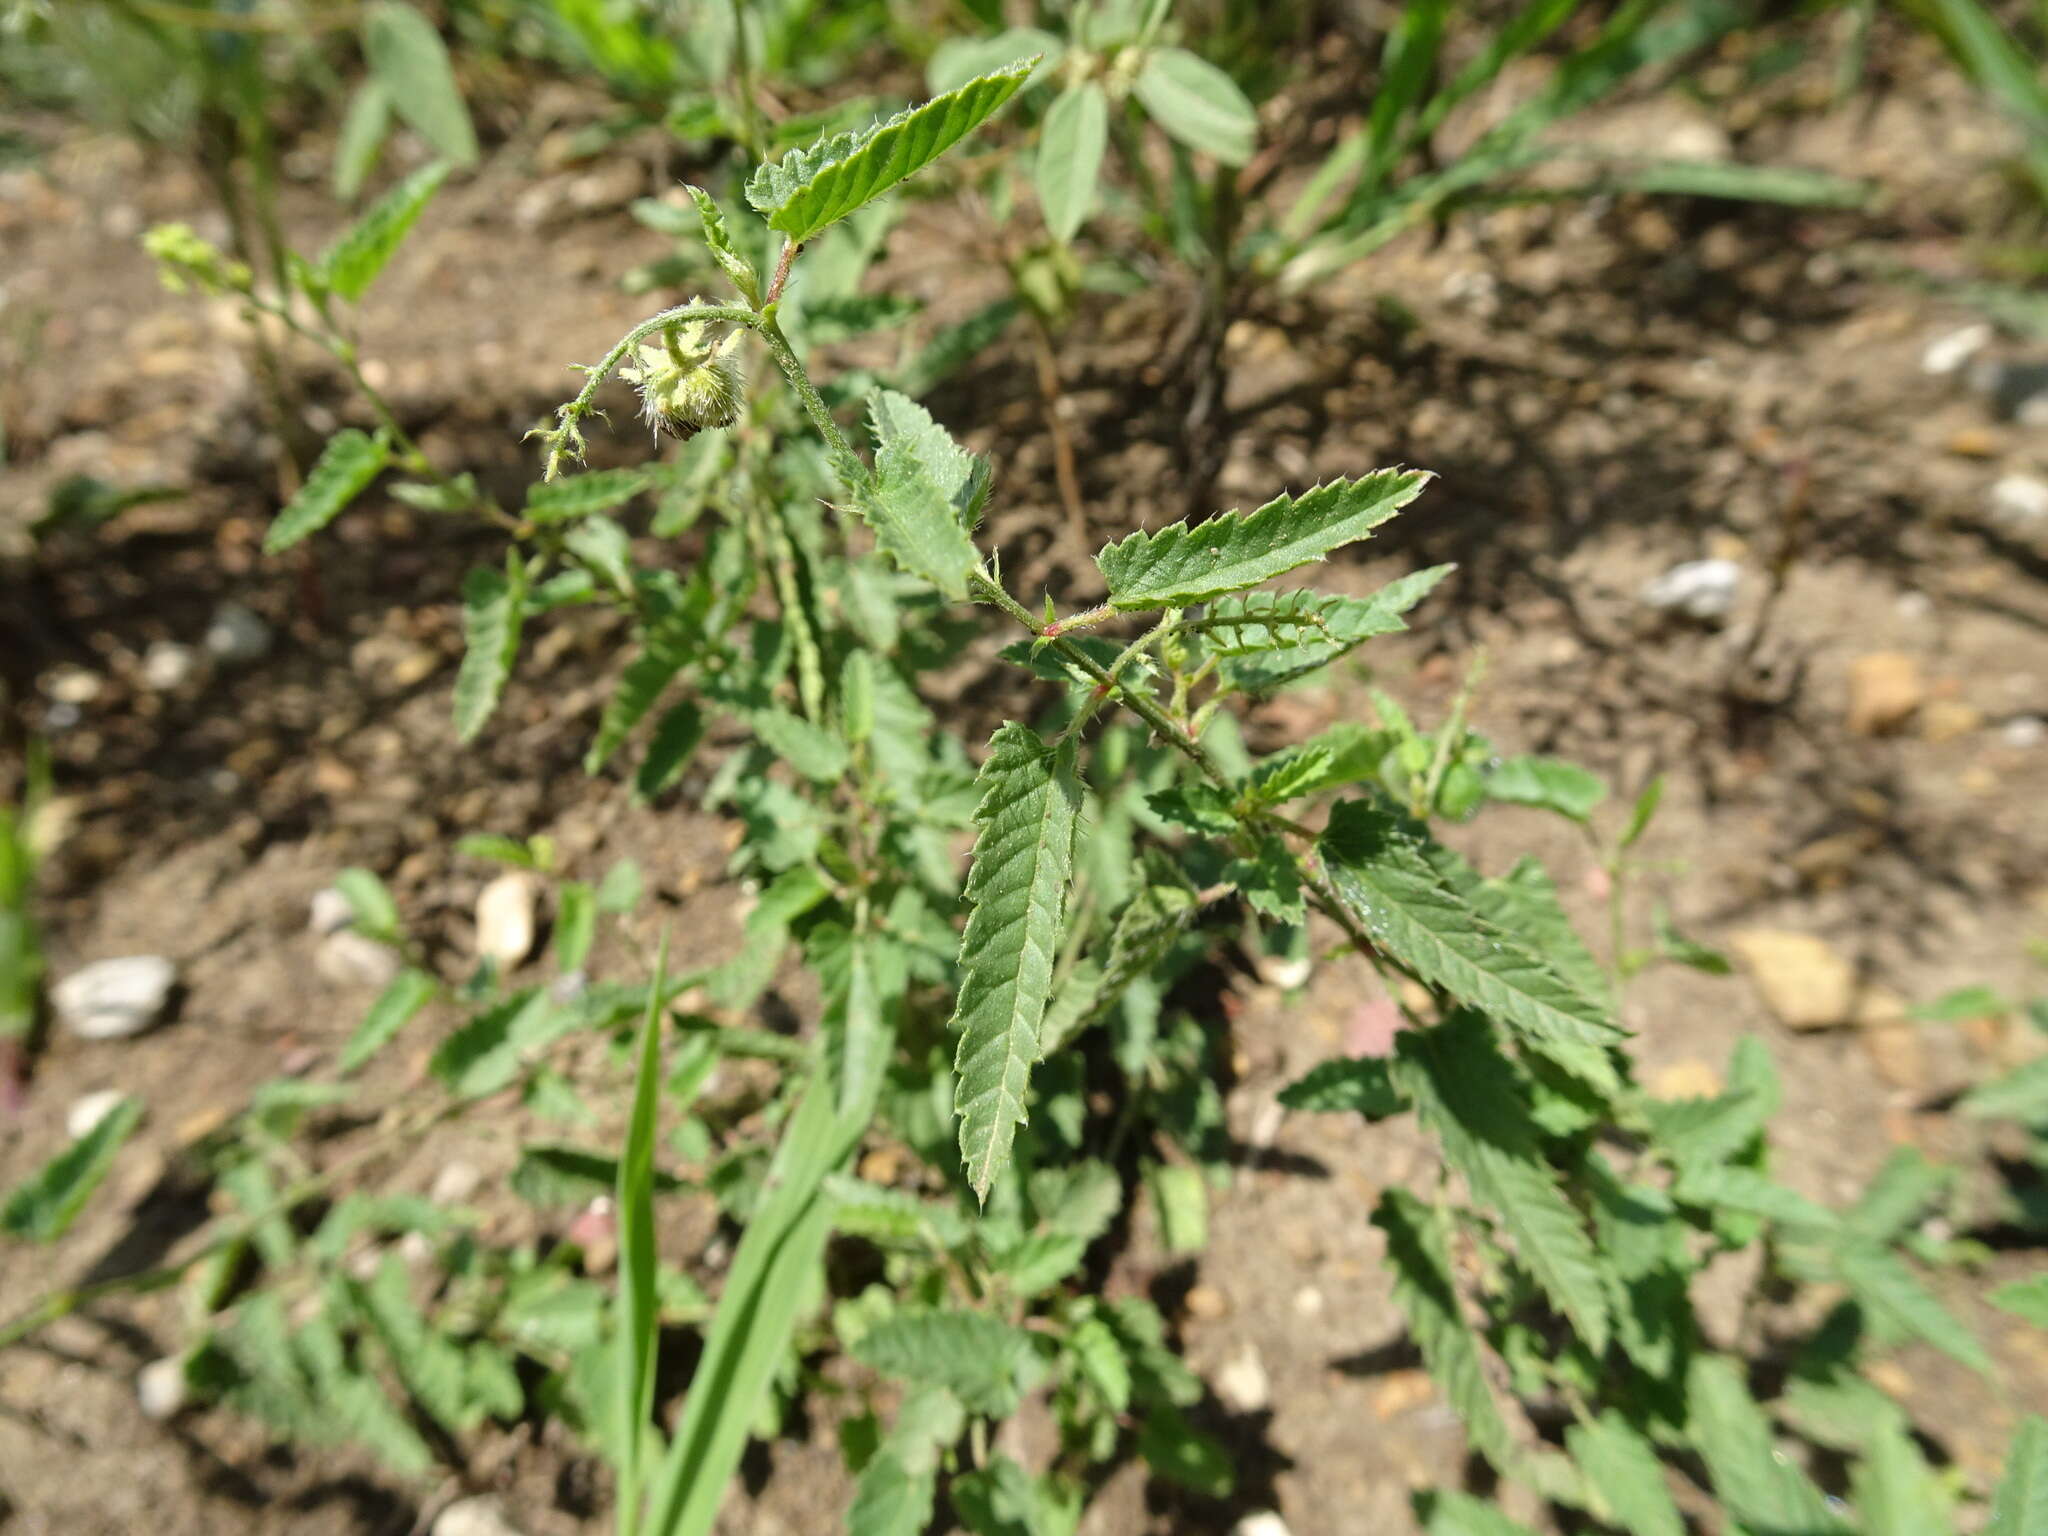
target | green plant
x=21, y=951
x=1122, y=834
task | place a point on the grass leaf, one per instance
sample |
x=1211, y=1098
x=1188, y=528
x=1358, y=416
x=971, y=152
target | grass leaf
x=42, y=1207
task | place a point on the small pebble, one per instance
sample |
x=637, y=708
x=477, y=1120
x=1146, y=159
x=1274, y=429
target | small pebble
x=1262, y=1522
x=504, y=918
x=1308, y=1302
x=1243, y=1383
x=1699, y=589
x=1952, y=351
x=2019, y=501
x=73, y=685
x=1913, y=606
x=330, y=911
x=168, y=665
x=161, y=1389
x=1206, y=1303
x=348, y=959
x=236, y=636
x=480, y=1516
x=455, y=1183
x=113, y=999
x=89, y=1110
x=2025, y=732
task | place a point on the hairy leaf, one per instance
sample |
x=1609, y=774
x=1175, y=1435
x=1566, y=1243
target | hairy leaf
x=924, y=496
x=1364, y=1085
x=1549, y=783
x=1467, y=1090
x=407, y=57
x=349, y=462
x=1446, y=1512
x=808, y=190
x=1880, y=1281
x=1181, y=565
x=2024, y=1299
x=813, y=752
x=1016, y=894
x=352, y=262
x=1428, y=1298
x=409, y=992
x=1896, y=1491
x=1100, y=1358
x=2020, y=1507
x=1760, y=1488
x=1624, y=1476
x=578, y=496
x=723, y=251
x=1269, y=639
x=1381, y=866
x=2021, y=1094
x=1744, y=1189
x=889, y=1501
x=1070, y=148
x=42, y=1207
x=668, y=643
x=971, y=1354
x=493, y=613
x=1198, y=104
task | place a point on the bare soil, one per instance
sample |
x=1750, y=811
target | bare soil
x=1604, y=390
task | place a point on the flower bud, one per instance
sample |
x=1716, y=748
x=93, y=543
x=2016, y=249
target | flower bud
x=182, y=257
x=689, y=381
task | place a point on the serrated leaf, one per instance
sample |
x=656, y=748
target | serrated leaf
x=676, y=737
x=409, y=992
x=817, y=754
x=1016, y=894
x=604, y=547
x=1183, y=564
x=668, y=643
x=1270, y=880
x=493, y=613
x=349, y=462
x=1198, y=104
x=1624, y=1476
x=1524, y=903
x=924, y=496
x=1896, y=1491
x=1038, y=1262
x=889, y=1501
x=1548, y=783
x=2026, y=1300
x=1380, y=865
x=352, y=262
x=970, y=1354
x=1881, y=1282
x=1101, y=1361
x=42, y=1207
x=1268, y=639
x=578, y=496
x=2021, y=1094
x=1903, y=1187
x=810, y=189
x=1446, y=1512
x=1464, y=1087
x=1363, y=1085
x=373, y=911
x=723, y=251
x=1746, y=1190
x=407, y=56
x=2020, y=1506
x=1071, y=143
x=361, y=138
x=1760, y=1488
x=883, y=1214
x=1428, y=1298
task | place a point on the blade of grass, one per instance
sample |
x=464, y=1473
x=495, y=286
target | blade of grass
x=636, y=1335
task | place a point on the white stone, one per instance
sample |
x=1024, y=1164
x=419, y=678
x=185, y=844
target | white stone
x=1913, y=606
x=161, y=1389
x=73, y=685
x=1699, y=589
x=112, y=999
x=504, y=918
x=348, y=959
x=2024, y=732
x=1952, y=351
x=480, y=1516
x=168, y=665
x=1263, y=1522
x=455, y=1183
x=2018, y=501
x=237, y=636
x=329, y=911
x=88, y=1110
x=1243, y=1383
x=1308, y=1302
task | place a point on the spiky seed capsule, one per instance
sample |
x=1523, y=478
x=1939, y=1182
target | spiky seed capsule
x=690, y=380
